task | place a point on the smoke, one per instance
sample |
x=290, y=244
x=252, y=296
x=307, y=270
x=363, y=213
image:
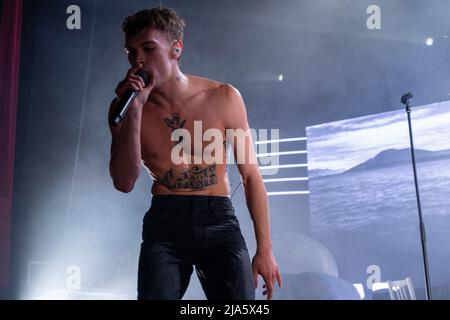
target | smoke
x=333, y=68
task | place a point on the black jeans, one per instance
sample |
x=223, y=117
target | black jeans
x=180, y=232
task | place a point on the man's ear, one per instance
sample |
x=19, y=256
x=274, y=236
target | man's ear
x=177, y=48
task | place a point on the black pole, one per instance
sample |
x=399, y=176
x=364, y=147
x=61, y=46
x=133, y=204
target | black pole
x=406, y=98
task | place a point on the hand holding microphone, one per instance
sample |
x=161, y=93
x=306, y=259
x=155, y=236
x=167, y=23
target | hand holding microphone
x=134, y=86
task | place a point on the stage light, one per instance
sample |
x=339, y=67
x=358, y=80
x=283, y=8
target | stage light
x=284, y=193
x=282, y=166
x=360, y=289
x=429, y=42
x=286, y=179
x=283, y=153
x=280, y=77
x=379, y=286
x=280, y=140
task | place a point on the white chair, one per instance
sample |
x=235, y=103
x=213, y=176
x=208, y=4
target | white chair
x=401, y=289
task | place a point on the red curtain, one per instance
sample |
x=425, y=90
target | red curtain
x=10, y=28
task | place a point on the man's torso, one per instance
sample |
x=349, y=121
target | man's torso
x=198, y=177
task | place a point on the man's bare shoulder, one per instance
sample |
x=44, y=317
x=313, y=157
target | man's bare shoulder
x=215, y=89
x=226, y=101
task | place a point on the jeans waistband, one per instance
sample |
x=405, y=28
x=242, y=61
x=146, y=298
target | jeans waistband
x=190, y=199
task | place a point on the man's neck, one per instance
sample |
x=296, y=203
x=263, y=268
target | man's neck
x=172, y=92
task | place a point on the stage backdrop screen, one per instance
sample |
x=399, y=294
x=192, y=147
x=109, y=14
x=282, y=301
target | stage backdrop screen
x=363, y=200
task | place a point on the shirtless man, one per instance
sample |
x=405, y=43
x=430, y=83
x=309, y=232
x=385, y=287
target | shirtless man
x=191, y=220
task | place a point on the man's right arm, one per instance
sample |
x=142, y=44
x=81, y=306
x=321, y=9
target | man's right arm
x=125, y=161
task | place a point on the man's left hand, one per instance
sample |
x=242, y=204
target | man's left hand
x=265, y=265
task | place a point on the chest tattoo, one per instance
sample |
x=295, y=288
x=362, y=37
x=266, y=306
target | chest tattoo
x=174, y=122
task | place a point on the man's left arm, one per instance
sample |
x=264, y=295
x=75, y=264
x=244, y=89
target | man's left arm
x=263, y=262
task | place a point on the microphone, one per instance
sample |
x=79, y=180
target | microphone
x=127, y=99
x=406, y=98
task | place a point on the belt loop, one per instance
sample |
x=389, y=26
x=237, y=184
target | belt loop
x=191, y=204
x=210, y=202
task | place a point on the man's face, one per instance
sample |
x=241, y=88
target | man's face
x=151, y=49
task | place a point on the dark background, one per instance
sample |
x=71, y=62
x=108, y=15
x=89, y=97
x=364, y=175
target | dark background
x=65, y=208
